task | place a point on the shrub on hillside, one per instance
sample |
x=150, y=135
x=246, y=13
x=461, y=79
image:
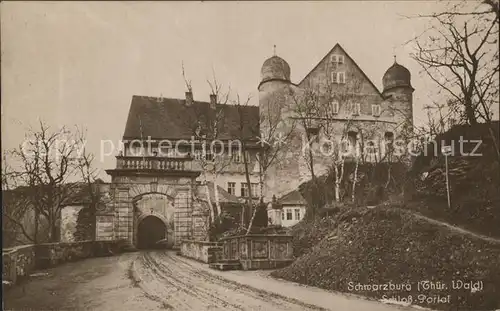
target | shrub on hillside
x=375, y=182
x=382, y=245
x=474, y=181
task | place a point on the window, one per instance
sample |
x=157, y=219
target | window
x=237, y=158
x=338, y=77
x=200, y=155
x=389, y=139
x=357, y=109
x=297, y=213
x=231, y=188
x=282, y=215
x=136, y=151
x=335, y=107
x=244, y=189
x=354, y=109
x=337, y=59
x=341, y=77
x=255, y=189
x=288, y=214
x=334, y=77
x=209, y=156
x=376, y=110
x=312, y=132
x=352, y=138
x=389, y=136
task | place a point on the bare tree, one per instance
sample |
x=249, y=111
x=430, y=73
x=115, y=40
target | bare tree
x=244, y=135
x=306, y=109
x=89, y=176
x=49, y=167
x=459, y=52
x=209, y=124
x=276, y=129
x=219, y=160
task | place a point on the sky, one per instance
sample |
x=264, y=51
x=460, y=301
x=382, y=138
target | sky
x=79, y=63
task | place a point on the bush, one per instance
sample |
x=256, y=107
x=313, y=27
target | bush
x=222, y=223
x=390, y=245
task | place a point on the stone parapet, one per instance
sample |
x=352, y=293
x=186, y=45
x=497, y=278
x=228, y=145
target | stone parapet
x=203, y=251
x=20, y=262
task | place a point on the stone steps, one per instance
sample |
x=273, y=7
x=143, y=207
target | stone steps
x=224, y=266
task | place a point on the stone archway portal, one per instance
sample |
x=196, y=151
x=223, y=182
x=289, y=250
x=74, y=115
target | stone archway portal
x=160, y=208
x=150, y=231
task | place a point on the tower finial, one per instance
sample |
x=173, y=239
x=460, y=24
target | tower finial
x=394, y=58
x=274, y=50
x=394, y=53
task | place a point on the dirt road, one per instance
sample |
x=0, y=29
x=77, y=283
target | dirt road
x=159, y=280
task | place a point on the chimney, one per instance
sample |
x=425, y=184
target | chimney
x=189, y=98
x=213, y=100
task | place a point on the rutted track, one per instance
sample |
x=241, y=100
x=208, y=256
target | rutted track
x=160, y=280
x=179, y=285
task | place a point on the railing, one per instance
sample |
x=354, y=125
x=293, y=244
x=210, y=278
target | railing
x=154, y=163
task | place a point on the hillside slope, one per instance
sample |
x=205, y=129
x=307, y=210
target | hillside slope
x=474, y=180
x=384, y=245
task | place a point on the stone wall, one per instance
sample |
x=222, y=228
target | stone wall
x=69, y=221
x=258, y=251
x=200, y=250
x=20, y=262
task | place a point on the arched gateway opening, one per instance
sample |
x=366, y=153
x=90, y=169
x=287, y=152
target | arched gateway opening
x=150, y=231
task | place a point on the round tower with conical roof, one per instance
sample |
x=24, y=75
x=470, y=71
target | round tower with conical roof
x=275, y=104
x=274, y=90
x=398, y=92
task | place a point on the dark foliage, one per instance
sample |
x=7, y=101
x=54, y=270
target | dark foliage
x=222, y=223
x=84, y=225
x=374, y=185
x=260, y=220
x=474, y=182
x=382, y=245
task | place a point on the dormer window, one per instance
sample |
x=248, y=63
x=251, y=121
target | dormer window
x=376, y=110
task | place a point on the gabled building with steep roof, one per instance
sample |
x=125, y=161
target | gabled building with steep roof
x=347, y=107
x=162, y=172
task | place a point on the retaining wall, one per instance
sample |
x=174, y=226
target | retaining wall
x=19, y=262
x=203, y=251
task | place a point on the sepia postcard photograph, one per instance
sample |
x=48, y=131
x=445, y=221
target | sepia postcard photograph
x=250, y=155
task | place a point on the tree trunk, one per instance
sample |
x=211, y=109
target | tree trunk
x=37, y=221
x=341, y=176
x=93, y=223
x=249, y=189
x=210, y=206
x=216, y=195
x=495, y=142
x=469, y=112
x=355, y=177
x=337, y=184
x=53, y=231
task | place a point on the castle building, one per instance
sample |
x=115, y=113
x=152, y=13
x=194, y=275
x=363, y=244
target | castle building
x=334, y=101
x=171, y=184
